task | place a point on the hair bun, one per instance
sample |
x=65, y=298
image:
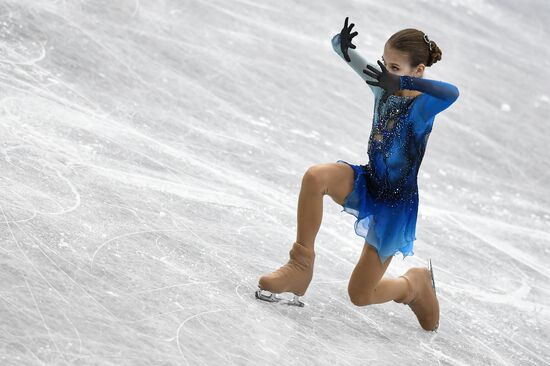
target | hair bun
x=435, y=54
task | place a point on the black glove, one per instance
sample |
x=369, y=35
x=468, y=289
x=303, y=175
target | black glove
x=386, y=80
x=345, y=39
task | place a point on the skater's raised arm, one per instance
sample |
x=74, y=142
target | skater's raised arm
x=341, y=43
x=439, y=95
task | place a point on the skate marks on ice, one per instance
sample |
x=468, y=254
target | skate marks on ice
x=486, y=229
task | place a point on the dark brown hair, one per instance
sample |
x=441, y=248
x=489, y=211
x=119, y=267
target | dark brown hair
x=411, y=41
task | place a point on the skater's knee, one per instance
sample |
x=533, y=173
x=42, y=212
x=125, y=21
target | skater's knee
x=360, y=299
x=314, y=178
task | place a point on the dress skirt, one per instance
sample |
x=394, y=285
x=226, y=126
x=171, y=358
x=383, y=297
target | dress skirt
x=387, y=225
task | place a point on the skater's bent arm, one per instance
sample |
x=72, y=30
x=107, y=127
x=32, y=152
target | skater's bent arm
x=439, y=95
x=357, y=63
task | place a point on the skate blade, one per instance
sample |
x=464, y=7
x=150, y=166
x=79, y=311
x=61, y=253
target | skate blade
x=432, y=274
x=271, y=297
x=433, y=285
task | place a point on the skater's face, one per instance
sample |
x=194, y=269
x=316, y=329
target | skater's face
x=398, y=63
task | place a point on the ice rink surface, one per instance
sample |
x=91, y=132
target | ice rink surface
x=151, y=156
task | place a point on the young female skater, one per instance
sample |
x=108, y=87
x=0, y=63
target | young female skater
x=383, y=194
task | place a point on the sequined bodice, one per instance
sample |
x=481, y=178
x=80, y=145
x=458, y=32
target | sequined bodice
x=391, y=151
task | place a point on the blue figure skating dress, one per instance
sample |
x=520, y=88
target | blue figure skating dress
x=384, y=198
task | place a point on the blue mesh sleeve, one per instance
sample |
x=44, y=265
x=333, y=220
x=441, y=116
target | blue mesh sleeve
x=357, y=63
x=439, y=95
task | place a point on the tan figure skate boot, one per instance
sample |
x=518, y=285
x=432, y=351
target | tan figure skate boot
x=294, y=276
x=421, y=297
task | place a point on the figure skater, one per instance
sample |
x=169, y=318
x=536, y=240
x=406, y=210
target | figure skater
x=382, y=194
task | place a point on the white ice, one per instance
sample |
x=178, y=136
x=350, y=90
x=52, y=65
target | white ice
x=151, y=156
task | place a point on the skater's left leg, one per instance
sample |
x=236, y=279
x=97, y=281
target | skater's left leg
x=366, y=285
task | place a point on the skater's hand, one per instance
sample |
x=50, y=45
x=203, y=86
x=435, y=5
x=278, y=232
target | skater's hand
x=345, y=39
x=386, y=80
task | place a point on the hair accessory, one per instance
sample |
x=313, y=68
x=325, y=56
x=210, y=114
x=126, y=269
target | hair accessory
x=427, y=40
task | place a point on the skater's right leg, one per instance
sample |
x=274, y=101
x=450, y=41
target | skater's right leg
x=332, y=179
